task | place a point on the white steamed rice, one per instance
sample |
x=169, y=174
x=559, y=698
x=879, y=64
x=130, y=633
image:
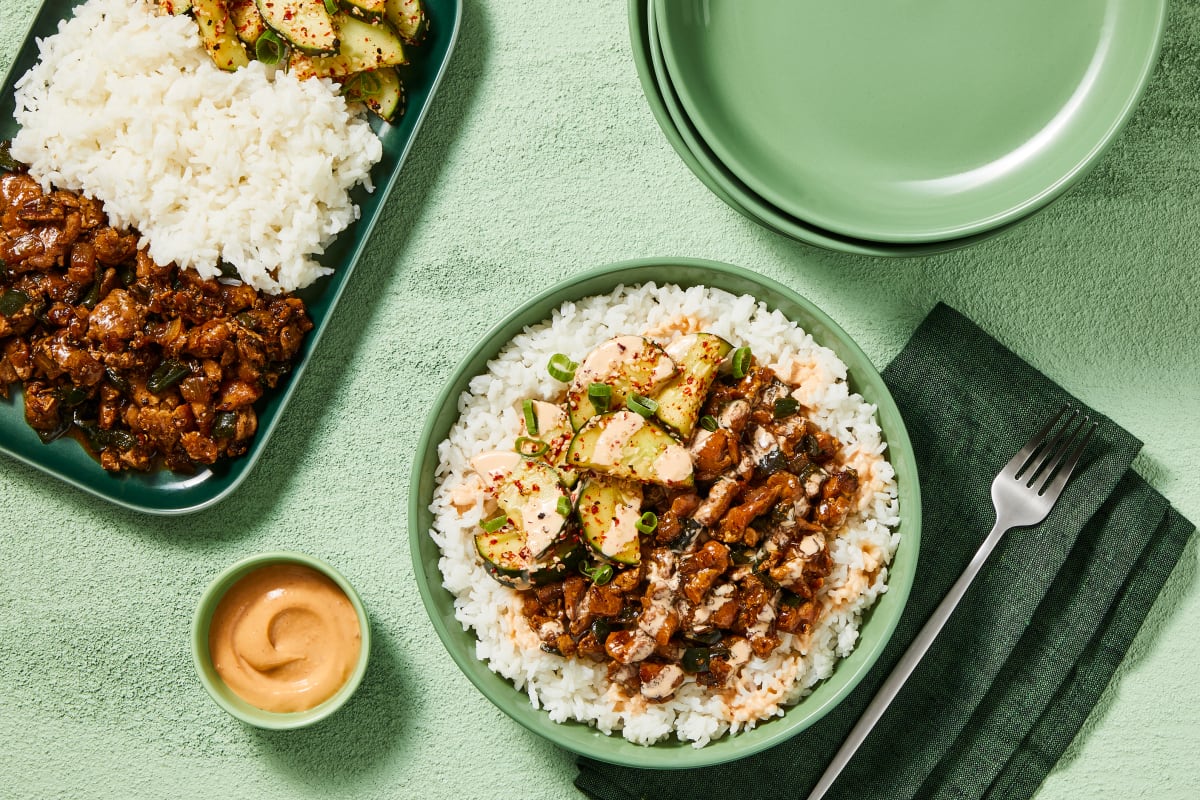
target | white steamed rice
x=252, y=167
x=577, y=688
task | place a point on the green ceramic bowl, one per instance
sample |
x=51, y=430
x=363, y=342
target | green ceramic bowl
x=222, y=694
x=877, y=625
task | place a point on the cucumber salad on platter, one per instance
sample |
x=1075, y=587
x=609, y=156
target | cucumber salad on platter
x=358, y=43
x=663, y=512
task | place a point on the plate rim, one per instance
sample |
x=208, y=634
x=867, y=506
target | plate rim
x=443, y=413
x=247, y=463
x=1080, y=166
x=672, y=119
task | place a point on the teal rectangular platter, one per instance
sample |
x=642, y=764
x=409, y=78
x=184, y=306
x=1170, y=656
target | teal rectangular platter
x=164, y=492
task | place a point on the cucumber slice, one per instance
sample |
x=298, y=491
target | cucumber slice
x=175, y=7
x=364, y=46
x=553, y=428
x=305, y=24
x=408, y=18
x=379, y=90
x=504, y=553
x=506, y=559
x=247, y=22
x=622, y=444
x=370, y=9
x=681, y=401
x=609, y=511
x=627, y=364
x=218, y=34
x=530, y=497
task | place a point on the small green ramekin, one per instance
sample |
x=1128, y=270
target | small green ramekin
x=222, y=694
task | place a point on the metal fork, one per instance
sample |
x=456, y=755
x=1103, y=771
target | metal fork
x=1023, y=494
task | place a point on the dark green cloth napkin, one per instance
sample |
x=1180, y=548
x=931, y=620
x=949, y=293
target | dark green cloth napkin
x=1023, y=660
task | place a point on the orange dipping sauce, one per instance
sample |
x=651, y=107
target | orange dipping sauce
x=284, y=638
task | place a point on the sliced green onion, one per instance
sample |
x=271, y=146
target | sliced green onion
x=601, y=396
x=648, y=523
x=12, y=301
x=600, y=574
x=561, y=368
x=369, y=84
x=531, y=448
x=495, y=523
x=331, y=6
x=786, y=406
x=741, y=362
x=363, y=86
x=642, y=404
x=269, y=49
x=709, y=423
x=530, y=418
x=564, y=506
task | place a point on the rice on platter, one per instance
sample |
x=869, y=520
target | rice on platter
x=252, y=168
x=662, y=512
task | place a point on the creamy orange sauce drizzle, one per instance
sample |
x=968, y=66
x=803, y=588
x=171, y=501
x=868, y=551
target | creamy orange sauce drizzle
x=285, y=638
x=610, y=444
x=674, y=464
x=610, y=358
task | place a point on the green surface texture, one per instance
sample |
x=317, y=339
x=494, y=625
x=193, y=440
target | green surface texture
x=540, y=159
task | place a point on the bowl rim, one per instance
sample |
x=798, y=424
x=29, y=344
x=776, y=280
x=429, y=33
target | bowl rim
x=580, y=737
x=221, y=694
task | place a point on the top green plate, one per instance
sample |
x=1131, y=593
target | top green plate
x=164, y=492
x=909, y=122
x=681, y=134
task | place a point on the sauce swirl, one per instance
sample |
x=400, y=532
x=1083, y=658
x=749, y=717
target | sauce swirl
x=284, y=638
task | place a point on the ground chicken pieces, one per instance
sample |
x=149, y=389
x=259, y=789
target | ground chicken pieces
x=734, y=565
x=145, y=364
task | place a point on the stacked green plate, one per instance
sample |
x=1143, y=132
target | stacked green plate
x=886, y=128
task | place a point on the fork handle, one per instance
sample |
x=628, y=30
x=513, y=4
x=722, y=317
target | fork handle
x=908, y=662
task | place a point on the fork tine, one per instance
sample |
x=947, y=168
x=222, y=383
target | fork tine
x=1058, y=477
x=1046, y=444
x=1017, y=463
x=1055, y=449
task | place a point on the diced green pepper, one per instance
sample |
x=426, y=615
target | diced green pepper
x=169, y=373
x=12, y=301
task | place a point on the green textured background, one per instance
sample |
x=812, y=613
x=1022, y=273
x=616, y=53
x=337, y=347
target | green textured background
x=539, y=160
